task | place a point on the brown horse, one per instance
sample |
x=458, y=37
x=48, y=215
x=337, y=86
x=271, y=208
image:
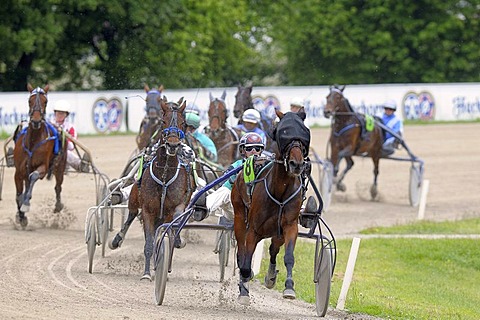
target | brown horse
x=224, y=136
x=349, y=137
x=37, y=154
x=243, y=102
x=269, y=206
x=151, y=123
x=166, y=184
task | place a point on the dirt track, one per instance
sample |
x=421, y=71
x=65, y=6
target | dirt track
x=45, y=270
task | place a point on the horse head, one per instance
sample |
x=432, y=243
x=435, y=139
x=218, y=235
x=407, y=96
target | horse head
x=153, y=100
x=217, y=114
x=243, y=100
x=173, y=120
x=37, y=103
x=293, y=140
x=335, y=101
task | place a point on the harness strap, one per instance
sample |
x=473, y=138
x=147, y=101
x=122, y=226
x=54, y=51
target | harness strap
x=282, y=204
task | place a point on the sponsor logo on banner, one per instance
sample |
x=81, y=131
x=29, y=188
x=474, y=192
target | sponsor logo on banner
x=418, y=106
x=107, y=115
x=266, y=106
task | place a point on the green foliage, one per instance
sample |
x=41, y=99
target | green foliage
x=100, y=44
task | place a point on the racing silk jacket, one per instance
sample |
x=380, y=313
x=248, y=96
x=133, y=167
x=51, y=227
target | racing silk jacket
x=207, y=143
x=394, y=123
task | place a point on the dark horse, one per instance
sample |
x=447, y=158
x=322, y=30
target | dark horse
x=166, y=185
x=269, y=206
x=243, y=101
x=151, y=123
x=224, y=136
x=349, y=137
x=37, y=154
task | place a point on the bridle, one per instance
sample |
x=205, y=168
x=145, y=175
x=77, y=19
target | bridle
x=37, y=106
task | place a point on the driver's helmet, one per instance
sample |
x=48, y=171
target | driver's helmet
x=297, y=102
x=390, y=104
x=251, y=139
x=62, y=105
x=192, y=119
x=251, y=115
x=193, y=108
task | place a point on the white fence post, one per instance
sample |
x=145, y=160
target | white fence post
x=348, y=273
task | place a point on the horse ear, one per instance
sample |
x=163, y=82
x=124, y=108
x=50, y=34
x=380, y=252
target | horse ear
x=343, y=87
x=46, y=88
x=250, y=88
x=29, y=87
x=160, y=88
x=182, y=106
x=224, y=94
x=211, y=97
x=180, y=101
x=279, y=114
x=146, y=87
x=302, y=114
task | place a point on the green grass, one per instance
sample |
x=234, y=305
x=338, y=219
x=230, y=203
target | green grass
x=467, y=226
x=401, y=278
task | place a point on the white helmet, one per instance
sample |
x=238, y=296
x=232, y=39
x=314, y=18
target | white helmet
x=251, y=115
x=62, y=105
x=390, y=104
x=297, y=101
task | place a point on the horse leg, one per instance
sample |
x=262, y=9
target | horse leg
x=20, y=217
x=120, y=236
x=58, y=189
x=290, y=234
x=271, y=276
x=149, y=228
x=373, y=189
x=33, y=177
x=340, y=185
x=245, y=265
x=133, y=206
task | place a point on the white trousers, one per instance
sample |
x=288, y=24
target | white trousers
x=220, y=204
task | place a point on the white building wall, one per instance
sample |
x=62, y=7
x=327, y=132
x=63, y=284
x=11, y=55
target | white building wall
x=111, y=111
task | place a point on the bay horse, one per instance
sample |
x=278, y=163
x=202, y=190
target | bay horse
x=222, y=134
x=37, y=154
x=269, y=205
x=148, y=133
x=350, y=137
x=243, y=102
x=166, y=185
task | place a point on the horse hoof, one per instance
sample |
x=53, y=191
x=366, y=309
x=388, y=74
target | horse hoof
x=270, y=282
x=146, y=277
x=58, y=208
x=244, y=300
x=25, y=208
x=373, y=192
x=341, y=187
x=115, y=243
x=289, y=294
x=180, y=243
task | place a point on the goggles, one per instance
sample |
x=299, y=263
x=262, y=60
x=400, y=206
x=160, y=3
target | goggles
x=251, y=148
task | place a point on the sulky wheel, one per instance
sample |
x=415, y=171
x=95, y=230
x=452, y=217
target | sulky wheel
x=326, y=184
x=104, y=228
x=91, y=242
x=223, y=252
x=415, y=186
x=161, y=269
x=323, y=279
